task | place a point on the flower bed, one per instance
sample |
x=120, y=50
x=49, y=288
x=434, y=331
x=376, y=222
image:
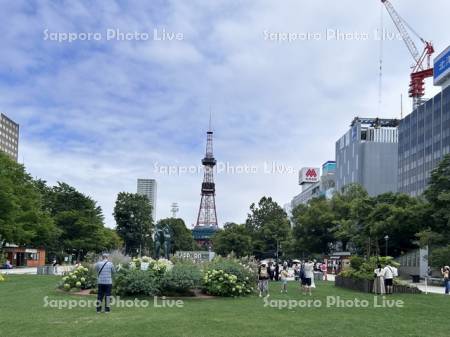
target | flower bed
x=148, y=277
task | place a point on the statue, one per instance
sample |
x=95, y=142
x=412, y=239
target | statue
x=162, y=240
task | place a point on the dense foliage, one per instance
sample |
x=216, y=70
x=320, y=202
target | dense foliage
x=181, y=236
x=59, y=218
x=359, y=223
x=233, y=238
x=440, y=257
x=182, y=278
x=23, y=219
x=133, y=215
x=268, y=226
x=364, y=269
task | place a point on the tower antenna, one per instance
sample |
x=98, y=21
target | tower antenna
x=210, y=118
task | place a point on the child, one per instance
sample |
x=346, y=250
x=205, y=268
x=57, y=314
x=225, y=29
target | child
x=284, y=277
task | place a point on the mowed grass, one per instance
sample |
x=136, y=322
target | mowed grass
x=22, y=314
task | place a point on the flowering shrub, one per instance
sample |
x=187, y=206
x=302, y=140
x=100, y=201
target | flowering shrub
x=228, y=277
x=137, y=282
x=182, y=278
x=159, y=266
x=80, y=278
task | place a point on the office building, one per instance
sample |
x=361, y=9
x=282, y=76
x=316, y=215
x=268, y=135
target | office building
x=367, y=154
x=148, y=187
x=424, y=138
x=315, y=185
x=9, y=137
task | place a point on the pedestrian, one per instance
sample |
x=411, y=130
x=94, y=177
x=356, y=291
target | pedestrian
x=272, y=271
x=55, y=266
x=277, y=272
x=389, y=272
x=378, y=283
x=105, y=271
x=446, y=274
x=323, y=269
x=263, y=279
x=284, y=278
x=308, y=270
x=296, y=272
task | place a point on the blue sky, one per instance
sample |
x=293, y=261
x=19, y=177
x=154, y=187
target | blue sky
x=100, y=114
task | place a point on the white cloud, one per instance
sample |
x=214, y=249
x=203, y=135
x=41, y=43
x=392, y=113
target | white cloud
x=100, y=114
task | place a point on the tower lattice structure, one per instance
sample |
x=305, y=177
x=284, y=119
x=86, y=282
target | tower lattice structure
x=207, y=216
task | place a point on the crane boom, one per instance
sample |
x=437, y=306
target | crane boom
x=398, y=21
x=421, y=69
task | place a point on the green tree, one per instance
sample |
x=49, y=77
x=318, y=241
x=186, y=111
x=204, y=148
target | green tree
x=313, y=226
x=268, y=226
x=438, y=195
x=440, y=257
x=233, y=238
x=133, y=215
x=351, y=207
x=181, y=236
x=79, y=219
x=22, y=218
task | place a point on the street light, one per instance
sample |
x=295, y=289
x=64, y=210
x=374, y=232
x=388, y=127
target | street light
x=386, y=238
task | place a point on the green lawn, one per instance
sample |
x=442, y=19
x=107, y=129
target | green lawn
x=22, y=313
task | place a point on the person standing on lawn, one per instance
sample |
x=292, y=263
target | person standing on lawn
x=446, y=274
x=105, y=271
x=378, y=283
x=284, y=277
x=389, y=273
x=323, y=269
x=308, y=270
x=263, y=280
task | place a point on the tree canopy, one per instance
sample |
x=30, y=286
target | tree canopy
x=133, y=215
x=182, y=238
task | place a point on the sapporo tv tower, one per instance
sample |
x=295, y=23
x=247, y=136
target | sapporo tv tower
x=206, y=225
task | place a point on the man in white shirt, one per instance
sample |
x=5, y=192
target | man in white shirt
x=389, y=272
x=308, y=270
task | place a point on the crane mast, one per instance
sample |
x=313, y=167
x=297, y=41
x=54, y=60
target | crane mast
x=422, y=68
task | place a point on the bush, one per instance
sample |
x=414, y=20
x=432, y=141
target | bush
x=364, y=269
x=182, y=278
x=82, y=277
x=228, y=277
x=137, y=282
x=356, y=262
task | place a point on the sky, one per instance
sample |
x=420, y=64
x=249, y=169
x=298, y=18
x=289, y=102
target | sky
x=129, y=96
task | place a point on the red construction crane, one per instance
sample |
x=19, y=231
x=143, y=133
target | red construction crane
x=422, y=68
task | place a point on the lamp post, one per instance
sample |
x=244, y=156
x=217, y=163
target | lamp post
x=386, y=238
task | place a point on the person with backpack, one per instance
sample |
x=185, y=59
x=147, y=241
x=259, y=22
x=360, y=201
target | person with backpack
x=105, y=271
x=389, y=272
x=263, y=279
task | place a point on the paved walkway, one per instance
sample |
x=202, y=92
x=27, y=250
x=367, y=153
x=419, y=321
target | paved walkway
x=33, y=271
x=429, y=289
